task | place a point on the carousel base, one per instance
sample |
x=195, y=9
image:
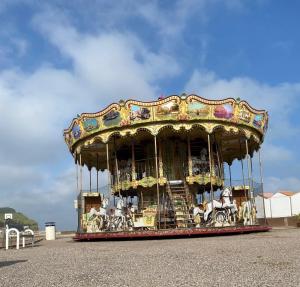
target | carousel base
x=171, y=233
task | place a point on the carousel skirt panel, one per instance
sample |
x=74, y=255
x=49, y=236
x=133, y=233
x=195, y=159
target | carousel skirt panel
x=171, y=233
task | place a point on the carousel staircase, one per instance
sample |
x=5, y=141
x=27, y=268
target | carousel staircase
x=180, y=198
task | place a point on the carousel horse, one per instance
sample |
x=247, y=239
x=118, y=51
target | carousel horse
x=224, y=209
x=119, y=220
x=93, y=221
x=209, y=206
x=226, y=198
x=99, y=218
x=247, y=213
x=130, y=216
x=103, y=214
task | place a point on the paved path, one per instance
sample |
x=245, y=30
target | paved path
x=262, y=259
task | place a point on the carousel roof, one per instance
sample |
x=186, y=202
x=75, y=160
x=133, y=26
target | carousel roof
x=179, y=112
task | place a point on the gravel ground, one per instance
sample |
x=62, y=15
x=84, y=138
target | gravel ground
x=261, y=259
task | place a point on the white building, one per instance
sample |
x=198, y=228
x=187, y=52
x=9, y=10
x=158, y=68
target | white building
x=279, y=204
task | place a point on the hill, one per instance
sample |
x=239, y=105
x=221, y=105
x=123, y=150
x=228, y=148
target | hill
x=18, y=218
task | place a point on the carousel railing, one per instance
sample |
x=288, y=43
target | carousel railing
x=126, y=177
x=145, y=168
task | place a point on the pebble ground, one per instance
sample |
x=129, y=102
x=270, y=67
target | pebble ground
x=257, y=259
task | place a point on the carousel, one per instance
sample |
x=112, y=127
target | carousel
x=162, y=166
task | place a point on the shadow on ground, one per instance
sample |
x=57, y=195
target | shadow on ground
x=8, y=263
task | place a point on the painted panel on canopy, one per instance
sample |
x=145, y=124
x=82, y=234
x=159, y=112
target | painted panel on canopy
x=168, y=110
x=69, y=139
x=139, y=113
x=244, y=115
x=112, y=118
x=90, y=124
x=258, y=121
x=76, y=131
x=197, y=109
x=224, y=111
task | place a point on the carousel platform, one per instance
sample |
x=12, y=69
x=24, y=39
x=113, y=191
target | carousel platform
x=170, y=233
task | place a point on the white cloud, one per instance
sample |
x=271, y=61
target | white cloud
x=276, y=154
x=281, y=100
x=273, y=184
x=116, y=64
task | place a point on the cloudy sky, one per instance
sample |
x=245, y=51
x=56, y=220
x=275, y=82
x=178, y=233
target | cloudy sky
x=68, y=57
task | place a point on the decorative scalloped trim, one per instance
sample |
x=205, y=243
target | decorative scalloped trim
x=210, y=126
x=162, y=101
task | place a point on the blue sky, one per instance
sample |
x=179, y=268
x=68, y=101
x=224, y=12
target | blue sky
x=63, y=58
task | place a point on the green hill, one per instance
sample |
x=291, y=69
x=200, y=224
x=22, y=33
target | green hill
x=18, y=218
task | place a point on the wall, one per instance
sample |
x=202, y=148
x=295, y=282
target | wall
x=295, y=203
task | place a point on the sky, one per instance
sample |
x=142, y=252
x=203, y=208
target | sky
x=62, y=58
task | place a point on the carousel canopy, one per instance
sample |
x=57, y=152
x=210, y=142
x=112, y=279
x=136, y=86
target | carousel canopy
x=228, y=120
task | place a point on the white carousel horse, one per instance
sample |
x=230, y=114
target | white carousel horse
x=103, y=208
x=225, y=209
x=226, y=196
x=103, y=214
x=209, y=207
x=119, y=220
x=93, y=221
x=99, y=218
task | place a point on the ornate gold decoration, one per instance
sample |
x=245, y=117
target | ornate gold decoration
x=147, y=181
x=204, y=179
x=243, y=114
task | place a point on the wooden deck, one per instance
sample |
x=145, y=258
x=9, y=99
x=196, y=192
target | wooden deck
x=170, y=233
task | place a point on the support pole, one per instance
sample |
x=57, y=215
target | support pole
x=242, y=164
x=78, y=191
x=117, y=168
x=210, y=174
x=108, y=171
x=81, y=197
x=77, y=176
x=222, y=161
x=230, y=179
x=90, y=171
x=160, y=161
x=218, y=158
x=97, y=167
x=249, y=173
x=80, y=163
x=157, y=183
x=252, y=182
x=262, y=184
x=142, y=200
x=190, y=162
x=133, y=173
